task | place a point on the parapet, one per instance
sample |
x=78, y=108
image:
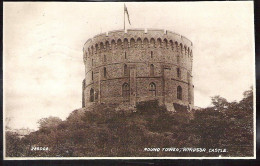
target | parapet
x=121, y=37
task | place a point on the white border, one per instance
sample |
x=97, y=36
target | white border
x=129, y=158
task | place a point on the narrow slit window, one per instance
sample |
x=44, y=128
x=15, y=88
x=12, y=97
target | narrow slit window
x=105, y=72
x=178, y=72
x=91, y=95
x=125, y=70
x=105, y=58
x=151, y=70
x=179, y=93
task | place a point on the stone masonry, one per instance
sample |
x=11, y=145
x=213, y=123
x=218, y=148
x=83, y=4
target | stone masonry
x=138, y=65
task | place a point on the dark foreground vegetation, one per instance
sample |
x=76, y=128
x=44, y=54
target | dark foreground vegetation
x=106, y=131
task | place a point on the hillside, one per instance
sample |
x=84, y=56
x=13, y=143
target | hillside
x=108, y=131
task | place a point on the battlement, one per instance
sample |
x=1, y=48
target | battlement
x=138, y=33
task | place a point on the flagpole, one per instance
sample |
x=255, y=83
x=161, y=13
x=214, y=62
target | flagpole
x=124, y=17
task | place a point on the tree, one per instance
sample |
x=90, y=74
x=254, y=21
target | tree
x=248, y=93
x=49, y=122
x=14, y=146
x=239, y=133
x=219, y=103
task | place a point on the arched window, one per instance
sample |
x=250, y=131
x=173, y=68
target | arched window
x=152, y=42
x=176, y=47
x=119, y=43
x=152, y=89
x=92, y=75
x=179, y=92
x=125, y=91
x=159, y=42
x=178, y=72
x=139, y=42
x=96, y=48
x=151, y=70
x=105, y=58
x=132, y=43
x=107, y=45
x=125, y=43
x=101, y=46
x=151, y=54
x=105, y=72
x=145, y=42
x=91, y=99
x=181, y=49
x=165, y=43
x=171, y=44
x=125, y=70
x=113, y=44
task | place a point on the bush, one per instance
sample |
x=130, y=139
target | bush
x=104, y=130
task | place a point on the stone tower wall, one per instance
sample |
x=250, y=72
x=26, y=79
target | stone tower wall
x=118, y=57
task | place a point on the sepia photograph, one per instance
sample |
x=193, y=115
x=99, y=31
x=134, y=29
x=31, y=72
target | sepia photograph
x=129, y=80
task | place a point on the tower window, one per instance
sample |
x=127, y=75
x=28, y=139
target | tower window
x=125, y=70
x=105, y=58
x=92, y=62
x=178, y=72
x=91, y=99
x=151, y=54
x=151, y=70
x=125, y=55
x=125, y=91
x=179, y=93
x=92, y=75
x=152, y=88
x=105, y=72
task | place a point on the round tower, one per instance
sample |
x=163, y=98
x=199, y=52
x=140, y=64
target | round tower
x=138, y=65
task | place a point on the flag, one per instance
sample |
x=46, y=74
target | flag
x=126, y=11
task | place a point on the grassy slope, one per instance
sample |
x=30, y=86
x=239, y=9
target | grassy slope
x=106, y=130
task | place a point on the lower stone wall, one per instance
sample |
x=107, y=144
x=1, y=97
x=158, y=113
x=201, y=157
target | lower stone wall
x=171, y=92
x=111, y=90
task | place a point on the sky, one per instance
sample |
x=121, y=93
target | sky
x=43, y=60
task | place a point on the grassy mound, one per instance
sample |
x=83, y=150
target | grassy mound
x=108, y=131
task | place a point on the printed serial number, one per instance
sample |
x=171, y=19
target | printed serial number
x=36, y=148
